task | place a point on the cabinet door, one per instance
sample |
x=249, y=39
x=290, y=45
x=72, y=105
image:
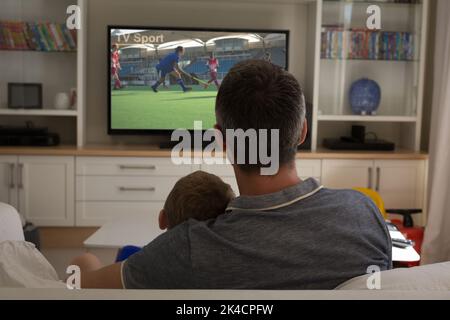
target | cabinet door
x=401, y=183
x=347, y=174
x=309, y=169
x=46, y=190
x=8, y=183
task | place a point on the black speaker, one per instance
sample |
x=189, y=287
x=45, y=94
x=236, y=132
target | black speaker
x=359, y=133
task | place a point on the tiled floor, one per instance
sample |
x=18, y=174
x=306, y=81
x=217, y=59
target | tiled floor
x=60, y=258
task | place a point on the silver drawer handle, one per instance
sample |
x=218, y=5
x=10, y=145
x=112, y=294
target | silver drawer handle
x=369, y=184
x=12, y=183
x=20, y=176
x=125, y=189
x=377, y=187
x=127, y=167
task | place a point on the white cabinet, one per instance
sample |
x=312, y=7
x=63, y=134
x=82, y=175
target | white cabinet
x=225, y=172
x=89, y=191
x=347, y=174
x=307, y=168
x=46, y=190
x=401, y=183
x=8, y=185
x=115, y=187
x=41, y=188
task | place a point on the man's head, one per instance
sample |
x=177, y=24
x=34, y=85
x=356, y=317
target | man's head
x=115, y=47
x=179, y=50
x=200, y=196
x=256, y=94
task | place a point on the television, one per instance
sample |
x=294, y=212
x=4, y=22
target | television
x=146, y=95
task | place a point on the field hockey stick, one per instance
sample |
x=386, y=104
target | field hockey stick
x=192, y=77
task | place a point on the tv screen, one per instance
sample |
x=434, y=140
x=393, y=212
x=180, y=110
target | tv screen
x=162, y=79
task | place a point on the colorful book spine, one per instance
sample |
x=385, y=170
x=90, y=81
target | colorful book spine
x=337, y=43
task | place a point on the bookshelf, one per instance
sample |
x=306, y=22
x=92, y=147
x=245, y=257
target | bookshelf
x=36, y=47
x=394, y=57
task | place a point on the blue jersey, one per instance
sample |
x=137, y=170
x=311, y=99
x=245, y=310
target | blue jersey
x=167, y=63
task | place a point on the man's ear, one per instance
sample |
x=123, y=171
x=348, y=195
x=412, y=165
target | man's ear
x=162, y=220
x=304, y=132
x=220, y=139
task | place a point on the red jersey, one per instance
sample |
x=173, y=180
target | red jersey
x=213, y=64
x=115, y=59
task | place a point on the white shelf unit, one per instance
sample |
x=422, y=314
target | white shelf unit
x=400, y=126
x=56, y=71
x=399, y=117
x=38, y=112
x=357, y=118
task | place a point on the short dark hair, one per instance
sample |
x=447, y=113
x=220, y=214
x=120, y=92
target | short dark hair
x=256, y=94
x=179, y=49
x=199, y=195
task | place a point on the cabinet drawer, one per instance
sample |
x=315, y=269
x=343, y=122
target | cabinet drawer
x=117, y=166
x=221, y=170
x=97, y=213
x=309, y=168
x=93, y=188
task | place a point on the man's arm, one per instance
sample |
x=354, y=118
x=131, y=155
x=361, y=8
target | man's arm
x=108, y=277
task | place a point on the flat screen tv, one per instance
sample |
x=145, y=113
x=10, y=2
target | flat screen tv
x=162, y=79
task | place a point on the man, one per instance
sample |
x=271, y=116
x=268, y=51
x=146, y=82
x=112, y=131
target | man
x=169, y=65
x=213, y=65
x=281, y=233
x=115, y=66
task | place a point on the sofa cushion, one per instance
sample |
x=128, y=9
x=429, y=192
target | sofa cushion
x=23, y=266
x=429, y=277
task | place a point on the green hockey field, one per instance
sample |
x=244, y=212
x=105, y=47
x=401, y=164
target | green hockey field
x=170, y=108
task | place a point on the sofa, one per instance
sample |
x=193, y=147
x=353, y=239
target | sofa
x=397, y=283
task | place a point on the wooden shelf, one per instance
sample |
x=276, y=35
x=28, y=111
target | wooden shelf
x=38, y=112
x=368, y=2
x=355, y=118
x=366, y=60
x=152, y=151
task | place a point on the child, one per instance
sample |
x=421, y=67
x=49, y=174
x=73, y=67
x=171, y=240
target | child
x=199, y=195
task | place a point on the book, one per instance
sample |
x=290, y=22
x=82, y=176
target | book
x=337, y=43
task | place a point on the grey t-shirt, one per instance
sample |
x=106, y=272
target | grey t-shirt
x=303, y=237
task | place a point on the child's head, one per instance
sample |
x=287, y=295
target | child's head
x=199, y=196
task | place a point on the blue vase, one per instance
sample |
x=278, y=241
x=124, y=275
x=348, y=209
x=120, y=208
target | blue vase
x=365, y=97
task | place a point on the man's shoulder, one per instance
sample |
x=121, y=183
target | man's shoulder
x=346, y=196
x=351, y=203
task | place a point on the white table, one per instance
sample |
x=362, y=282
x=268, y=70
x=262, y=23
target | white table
x=139, y=231
x=136, y=231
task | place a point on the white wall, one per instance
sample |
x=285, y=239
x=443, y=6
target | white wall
x=213, y=13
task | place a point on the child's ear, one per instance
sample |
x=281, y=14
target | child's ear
x=162, y=220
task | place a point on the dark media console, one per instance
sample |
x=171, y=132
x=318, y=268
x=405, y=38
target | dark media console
x=358, y=142
x=28, y=136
